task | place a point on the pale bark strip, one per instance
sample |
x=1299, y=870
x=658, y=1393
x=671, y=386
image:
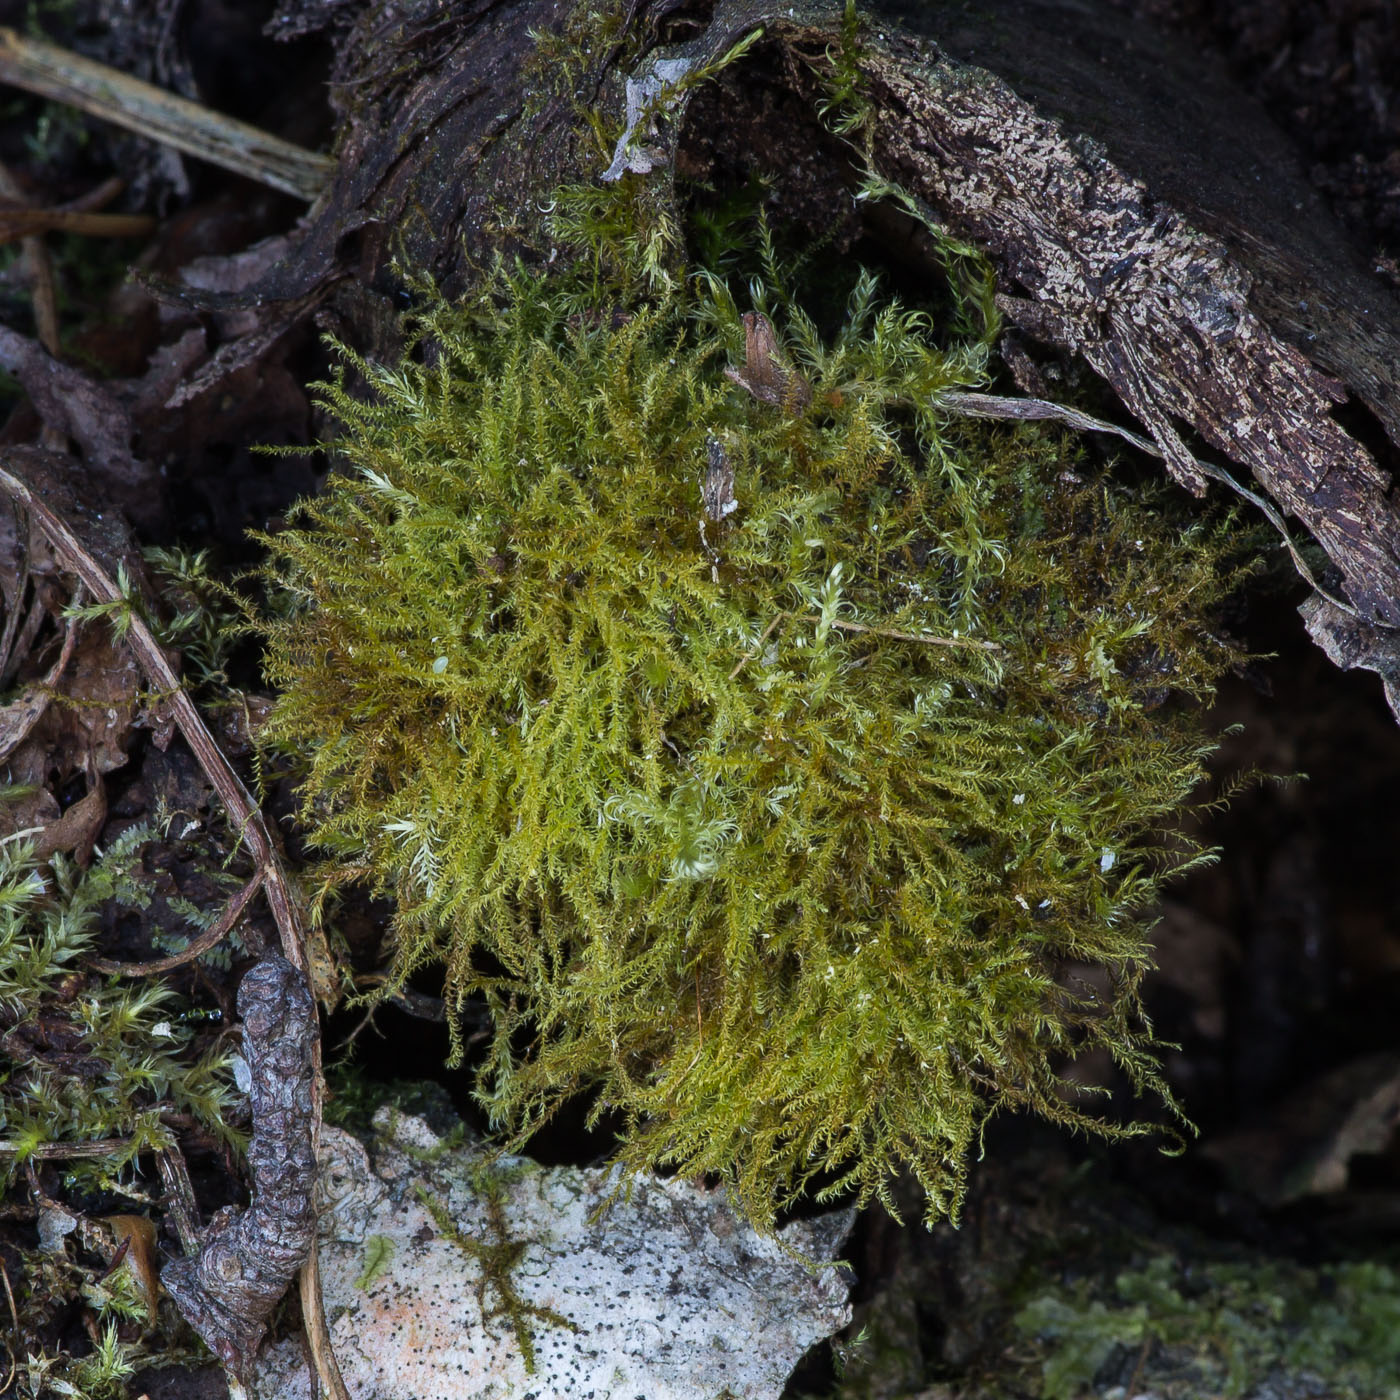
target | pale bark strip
x=63, y=76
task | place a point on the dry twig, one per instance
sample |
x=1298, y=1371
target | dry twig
x=210, y=938
x=1027, y=410
x=845, y=626
x=24, y=224
x=53, y=72
x=41, y=285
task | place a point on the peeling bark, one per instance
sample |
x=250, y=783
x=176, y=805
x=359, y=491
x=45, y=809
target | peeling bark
x=1157, y=308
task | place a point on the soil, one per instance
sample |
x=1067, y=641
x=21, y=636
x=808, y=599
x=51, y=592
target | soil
x=1279, y=966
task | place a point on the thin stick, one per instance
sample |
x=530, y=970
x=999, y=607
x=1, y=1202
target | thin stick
x=873, y=631
x=241, y=808
x=53, y=72
x=758, y=645
x=36, y=257
x=184, y=1209
x=206, y=940
x=26, y=223
x=14, y=1318
x=99, y=197
x=1024, y=410
x=244, y=814
x=63, y=1151
x=916, y=636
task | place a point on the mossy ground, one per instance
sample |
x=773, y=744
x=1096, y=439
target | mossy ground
x=1221, y=1329
x=91, y=1061
x=1070, y=1280
x=772, y=825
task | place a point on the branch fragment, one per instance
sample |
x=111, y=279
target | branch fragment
x=62, y=76
x=227, y=1291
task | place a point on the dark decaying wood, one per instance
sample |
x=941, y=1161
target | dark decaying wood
x=248, y=1258
x=1142, y=216
x=1157, y=308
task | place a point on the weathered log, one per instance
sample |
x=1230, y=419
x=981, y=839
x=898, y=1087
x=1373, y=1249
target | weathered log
x=1142, y=216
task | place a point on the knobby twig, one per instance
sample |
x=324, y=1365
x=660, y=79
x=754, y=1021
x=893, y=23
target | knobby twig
x=245, y=817
x=248, y=1257
x=53, y=72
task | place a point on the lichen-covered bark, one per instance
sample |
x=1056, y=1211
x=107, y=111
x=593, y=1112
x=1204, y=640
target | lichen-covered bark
x=619, y=1288
x=1160, y=310
x=249, y=1258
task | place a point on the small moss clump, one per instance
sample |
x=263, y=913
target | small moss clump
x=97, y=1072
x=770, y=808
x=90, y=1059
x=1221, y=1329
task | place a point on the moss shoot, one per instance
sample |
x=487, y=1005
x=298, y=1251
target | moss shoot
x=765, y=748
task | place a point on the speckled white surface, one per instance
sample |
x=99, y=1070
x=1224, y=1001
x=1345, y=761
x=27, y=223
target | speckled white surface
x=670, y=1295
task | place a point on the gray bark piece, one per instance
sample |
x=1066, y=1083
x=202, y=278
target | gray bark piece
x=671, y=1297
x=248, y=1258
x=642, y=106
x=1350, y=644
x=1161, y=310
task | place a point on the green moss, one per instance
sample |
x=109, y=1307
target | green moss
x=92, y=1058
x=774, y=828
x=101, y=1375
x=379, y=1254
x=1219, y=1329
x=95, y=1067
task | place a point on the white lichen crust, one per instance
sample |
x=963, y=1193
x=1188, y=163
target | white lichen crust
x=669, y=1296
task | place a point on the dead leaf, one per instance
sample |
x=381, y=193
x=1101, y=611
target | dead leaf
x=78, y=407
x=21, y=715
x=766, y=375
x=77, y=830
x=137, y=1236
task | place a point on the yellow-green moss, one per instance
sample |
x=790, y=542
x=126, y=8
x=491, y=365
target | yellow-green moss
x=496, y=1257
x=774, y=832
x=94, y=1068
